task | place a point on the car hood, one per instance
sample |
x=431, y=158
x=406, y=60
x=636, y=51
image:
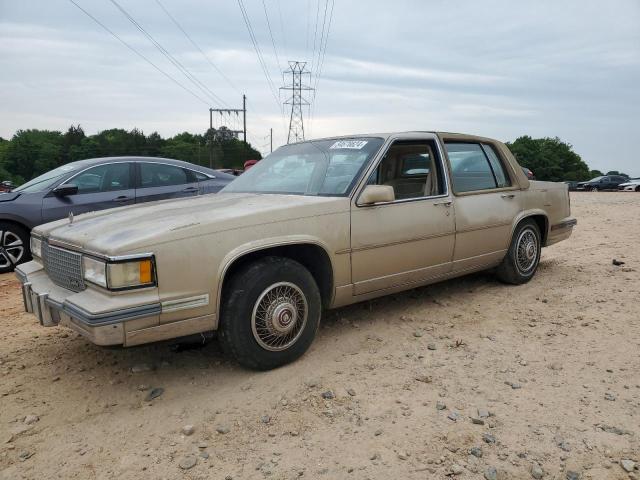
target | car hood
x=129, y=229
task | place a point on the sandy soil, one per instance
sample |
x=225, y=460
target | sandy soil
x=556, y=364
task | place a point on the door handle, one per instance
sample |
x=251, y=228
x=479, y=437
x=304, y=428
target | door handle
x=121, y=199
x=508, y=195
x=446, y=203
x=190, y=189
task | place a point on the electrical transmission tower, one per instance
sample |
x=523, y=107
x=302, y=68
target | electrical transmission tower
x=297, y=100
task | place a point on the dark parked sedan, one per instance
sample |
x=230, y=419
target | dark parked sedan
x=606, y=182
x=94, y=184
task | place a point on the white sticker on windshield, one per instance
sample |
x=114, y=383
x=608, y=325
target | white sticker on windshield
x=353, y=144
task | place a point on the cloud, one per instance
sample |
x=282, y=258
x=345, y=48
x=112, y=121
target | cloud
x=496, y=68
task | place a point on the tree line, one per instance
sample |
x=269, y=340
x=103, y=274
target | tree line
x=30, y=153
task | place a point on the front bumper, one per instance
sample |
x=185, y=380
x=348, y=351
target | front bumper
x=53, y=305
x=107, y=318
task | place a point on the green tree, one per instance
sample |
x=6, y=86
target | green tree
x=72, y=138
x=32, y=152
x=549, y=158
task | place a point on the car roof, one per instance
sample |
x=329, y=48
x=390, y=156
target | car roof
x=385, y=136
x=168, y=161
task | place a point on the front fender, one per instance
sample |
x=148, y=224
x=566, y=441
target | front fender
x=264, y=244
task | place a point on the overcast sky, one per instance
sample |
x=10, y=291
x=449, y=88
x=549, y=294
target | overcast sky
x=497, y=68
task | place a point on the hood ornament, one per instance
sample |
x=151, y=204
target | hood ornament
x=70, y=218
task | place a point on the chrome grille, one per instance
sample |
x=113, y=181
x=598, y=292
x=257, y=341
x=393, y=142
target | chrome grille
x=64, y=267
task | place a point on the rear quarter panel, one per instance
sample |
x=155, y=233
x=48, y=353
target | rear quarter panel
x=550, y=199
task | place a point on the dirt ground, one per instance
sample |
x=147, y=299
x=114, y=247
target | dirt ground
x=555, y=364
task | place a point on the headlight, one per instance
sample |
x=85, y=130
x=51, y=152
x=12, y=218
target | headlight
x=121, y=274
x=131, y=274
x=36, y=246
x=95, y=271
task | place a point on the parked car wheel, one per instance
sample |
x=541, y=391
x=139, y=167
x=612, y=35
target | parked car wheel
x=270, y=313
x=638, y=188
x=523, y=256
x=594, y=189
x=14, y=246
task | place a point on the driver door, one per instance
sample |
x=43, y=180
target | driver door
x=411, y=239
x=99, y=188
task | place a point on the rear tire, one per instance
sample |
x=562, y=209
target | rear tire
x=270, y=313
x=523, y=256
x=14, y=246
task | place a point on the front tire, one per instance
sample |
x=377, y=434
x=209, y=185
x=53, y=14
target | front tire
x=270, y=313
x=523, y=256
x=14, y=246
x=594, y=189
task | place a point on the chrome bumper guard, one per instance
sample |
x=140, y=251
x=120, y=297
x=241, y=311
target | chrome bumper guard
x=48, y=310
x=26, y=297
x=36, y=303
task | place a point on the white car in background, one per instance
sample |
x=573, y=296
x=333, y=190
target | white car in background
x=633, y=185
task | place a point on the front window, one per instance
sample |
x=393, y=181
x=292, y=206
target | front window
x=321, y=168
x=104, y=178
x=411, y=168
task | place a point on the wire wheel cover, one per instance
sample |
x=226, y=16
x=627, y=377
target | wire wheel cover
x=526, y=250
x=279, y=316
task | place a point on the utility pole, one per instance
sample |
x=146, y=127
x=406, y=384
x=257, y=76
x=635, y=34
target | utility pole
x=224, y=131
x=244, y=118
x=296, y=100
x=271, y=138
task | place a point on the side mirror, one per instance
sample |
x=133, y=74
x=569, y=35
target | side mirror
x=65, y=189
x=373, y=194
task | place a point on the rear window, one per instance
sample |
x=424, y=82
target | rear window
x=475, y=166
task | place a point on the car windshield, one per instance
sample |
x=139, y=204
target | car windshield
x=47, y=180
x=321, y=168
x=597, y=179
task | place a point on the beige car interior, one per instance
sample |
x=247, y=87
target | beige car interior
x=410, y=170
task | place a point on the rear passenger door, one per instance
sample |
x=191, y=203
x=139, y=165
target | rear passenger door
x=160, y=181
x=487, y=200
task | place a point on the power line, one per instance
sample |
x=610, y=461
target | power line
x=206, y=57
x=306, y=44
x=138, y=53
x=168, y=55
x=315, y=36
x=275, y=50
x=321, y=57
x=256, y=47
x=285, y=48
x=326, y=40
